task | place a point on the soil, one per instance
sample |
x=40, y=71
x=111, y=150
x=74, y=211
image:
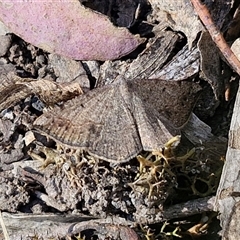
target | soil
x=40, y=176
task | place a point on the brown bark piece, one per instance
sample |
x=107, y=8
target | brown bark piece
x=53, y=225
x=147, y=63
x=228, y=194
x=211, y=63
x=40, y=226
x=68, y=70
x=184, y=65
x=106, y=230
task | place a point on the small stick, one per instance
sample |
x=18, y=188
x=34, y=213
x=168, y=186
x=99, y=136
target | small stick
x=216, y=35
x=4, y=229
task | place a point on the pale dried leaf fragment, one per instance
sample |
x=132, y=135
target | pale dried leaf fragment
x=147, y=63
x=179, y=15
x=184, y=65
x=154, y=56
x=14, y=88
x=67, y=28
x=197, y=131
x=29, y=138
x=68, y=70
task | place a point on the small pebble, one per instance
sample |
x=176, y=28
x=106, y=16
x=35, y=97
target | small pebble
x=37, y=104
x=5, y=43
x=7, y=114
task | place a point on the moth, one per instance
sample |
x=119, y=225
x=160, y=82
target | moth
x=117, y=121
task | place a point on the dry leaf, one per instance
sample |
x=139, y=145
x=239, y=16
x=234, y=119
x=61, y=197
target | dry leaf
x=156, y=54
x=14, y=88
x=183, y=66
x=68, y=70
x=179, y=15
x=67, y=28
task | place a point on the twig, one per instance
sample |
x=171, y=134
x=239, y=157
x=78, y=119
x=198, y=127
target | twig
x=181, y=210
x=4, y=229
x=216, y=35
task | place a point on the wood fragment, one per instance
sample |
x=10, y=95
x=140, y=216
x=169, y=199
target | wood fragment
x=216, y=35
x=61, y=225
x=228, y=193
x=4, y=229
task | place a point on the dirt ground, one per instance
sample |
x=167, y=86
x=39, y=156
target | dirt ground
x=42, y=180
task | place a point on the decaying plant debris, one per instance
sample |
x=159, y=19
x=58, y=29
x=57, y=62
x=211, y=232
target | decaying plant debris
x=67, y=158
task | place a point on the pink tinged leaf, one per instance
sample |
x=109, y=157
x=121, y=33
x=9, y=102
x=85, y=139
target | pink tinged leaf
x=67, y=28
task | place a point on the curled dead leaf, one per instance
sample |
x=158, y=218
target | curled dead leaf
x=14, y=88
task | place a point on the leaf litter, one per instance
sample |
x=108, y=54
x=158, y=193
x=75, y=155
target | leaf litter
x=82, y=183
x=68, y=28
